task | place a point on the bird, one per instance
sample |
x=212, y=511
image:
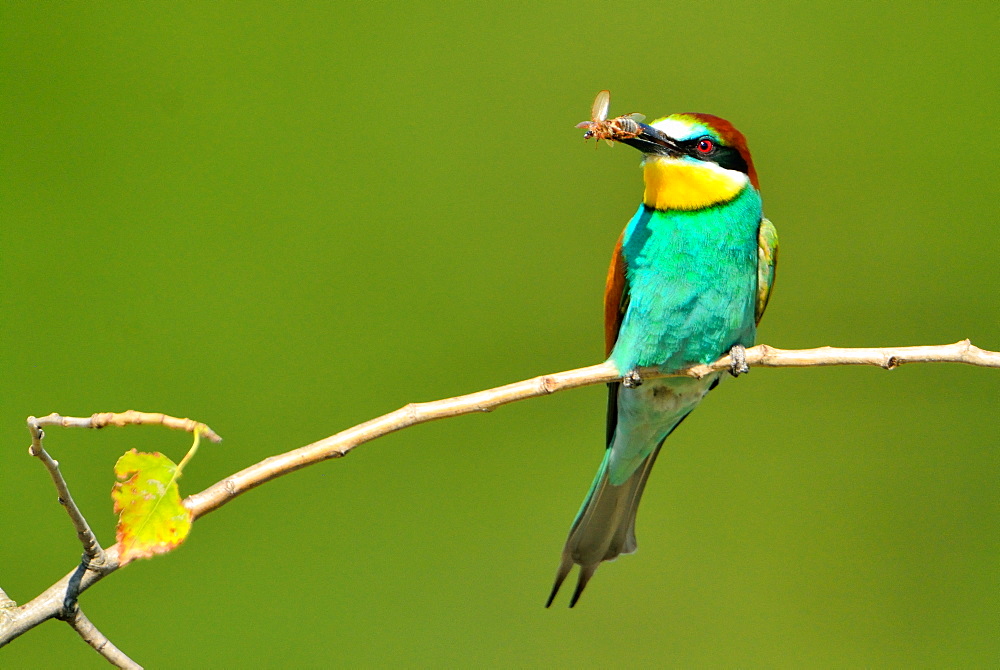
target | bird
x=689, y=279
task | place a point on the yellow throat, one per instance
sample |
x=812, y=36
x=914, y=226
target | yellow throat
x=672, y=183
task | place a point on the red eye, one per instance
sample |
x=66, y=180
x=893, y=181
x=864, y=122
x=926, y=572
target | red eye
x=705, y=146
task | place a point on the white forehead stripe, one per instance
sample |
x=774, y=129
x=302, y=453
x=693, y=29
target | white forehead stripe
x=680, y=129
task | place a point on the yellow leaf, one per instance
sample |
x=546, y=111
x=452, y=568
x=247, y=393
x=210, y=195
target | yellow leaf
x=151, y=518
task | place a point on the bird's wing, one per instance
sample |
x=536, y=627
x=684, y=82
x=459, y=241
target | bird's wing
x=616, y=297
x=767, y=260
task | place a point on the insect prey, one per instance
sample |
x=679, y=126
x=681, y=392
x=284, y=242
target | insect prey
x=600, y=127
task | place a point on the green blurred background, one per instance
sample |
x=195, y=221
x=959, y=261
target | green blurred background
x=286, y=218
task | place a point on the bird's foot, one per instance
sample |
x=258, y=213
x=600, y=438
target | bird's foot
x=739, y=365
x=633, y=379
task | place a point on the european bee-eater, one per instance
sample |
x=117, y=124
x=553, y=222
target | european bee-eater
x=689, y=280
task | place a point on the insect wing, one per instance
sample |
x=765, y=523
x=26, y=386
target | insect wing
x=599, y=112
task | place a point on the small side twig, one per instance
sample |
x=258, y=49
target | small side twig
x=99, y=641
x=128, y=418
x=92, y=550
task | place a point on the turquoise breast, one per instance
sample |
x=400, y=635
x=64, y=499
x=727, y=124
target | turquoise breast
x=692, y=282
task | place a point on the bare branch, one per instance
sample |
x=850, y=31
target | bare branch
x=91, y=547
x=50, y=603
x=99, y=641
x=762, y=355
x=340, y=444
x=129, y=418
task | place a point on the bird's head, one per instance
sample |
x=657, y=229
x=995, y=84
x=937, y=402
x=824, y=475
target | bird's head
x=693, y=161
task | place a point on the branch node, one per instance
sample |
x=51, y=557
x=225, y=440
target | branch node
x=410, y=412
x=766, y=353
x=701, y=371
x=5, y=602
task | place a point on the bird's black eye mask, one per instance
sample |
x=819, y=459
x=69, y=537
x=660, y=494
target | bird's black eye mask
x=705, y=148
x=708, y=149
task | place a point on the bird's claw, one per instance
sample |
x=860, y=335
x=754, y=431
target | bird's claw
x=632, y=380
x=739, y=365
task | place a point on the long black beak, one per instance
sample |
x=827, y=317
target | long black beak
x=649, y=140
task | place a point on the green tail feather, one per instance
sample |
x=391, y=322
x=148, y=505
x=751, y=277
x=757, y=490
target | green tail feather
x=605, y=526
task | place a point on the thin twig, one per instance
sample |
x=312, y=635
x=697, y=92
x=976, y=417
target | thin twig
x=49, y=604
x=99, y=641
x=129, y=418
x=91, y=547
